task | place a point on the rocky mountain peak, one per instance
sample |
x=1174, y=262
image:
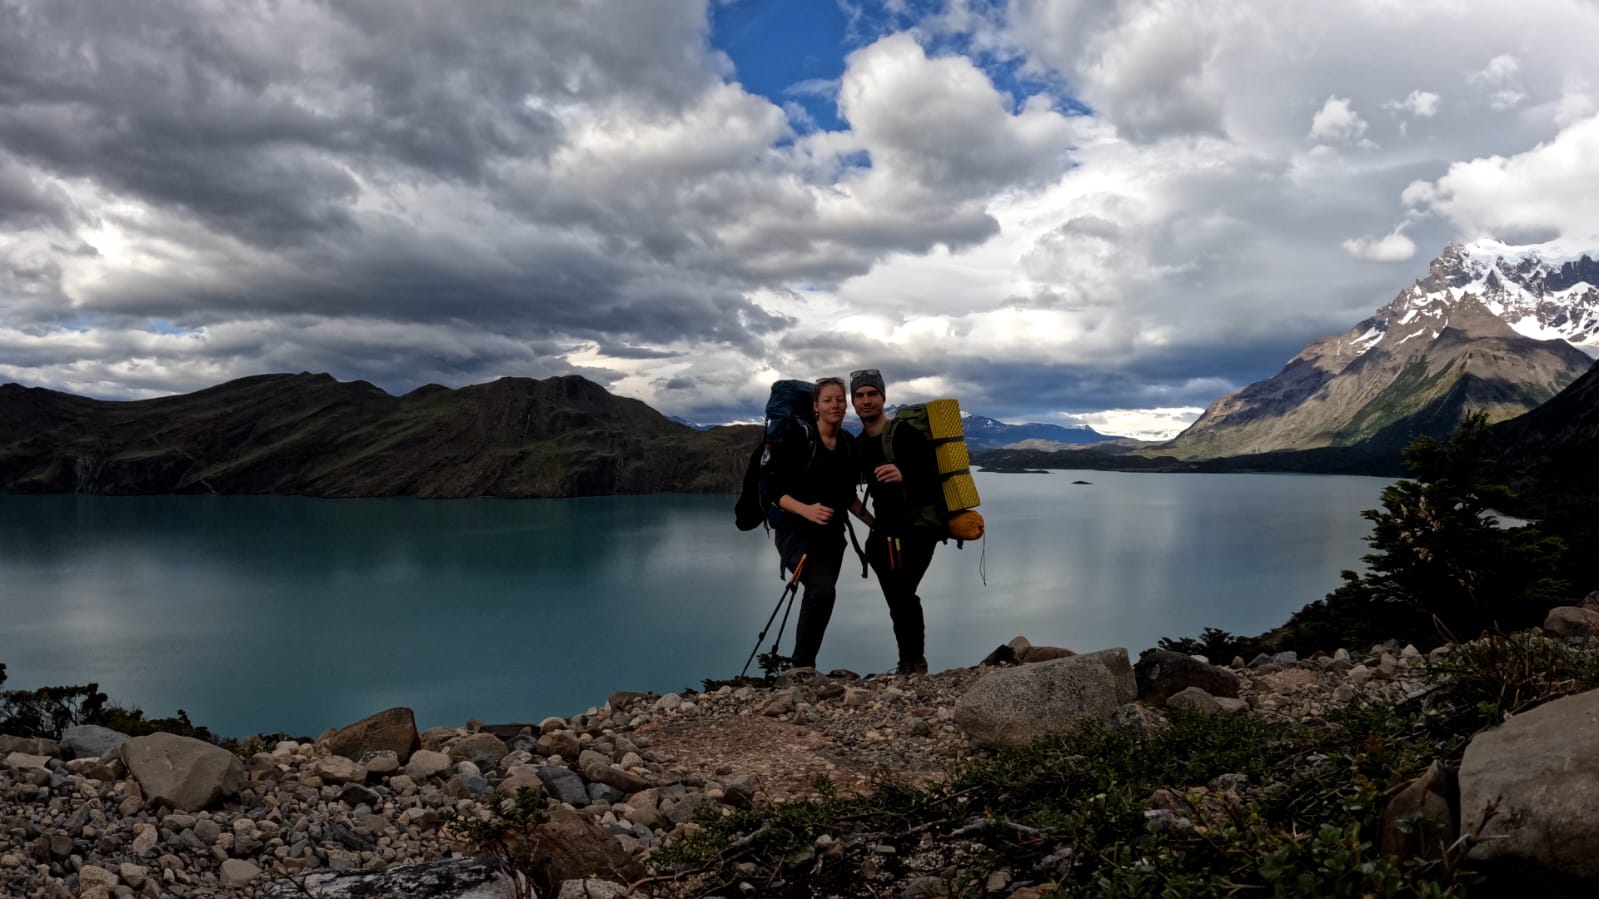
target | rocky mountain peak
x=1491, y=326
x=1544, y=291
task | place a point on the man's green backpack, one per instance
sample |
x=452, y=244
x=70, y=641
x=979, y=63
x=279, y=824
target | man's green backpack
x=951, y=511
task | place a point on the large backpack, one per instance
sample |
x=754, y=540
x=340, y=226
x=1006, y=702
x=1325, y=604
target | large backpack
x=789, y=417
x=951, y=510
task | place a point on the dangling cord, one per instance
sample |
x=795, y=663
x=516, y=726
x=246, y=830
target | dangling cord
x=982, y=559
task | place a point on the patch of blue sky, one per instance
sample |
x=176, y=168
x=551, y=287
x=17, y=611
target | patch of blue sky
x=792, y=52
x=163, y=326
x=81, y=323
x=789, y=51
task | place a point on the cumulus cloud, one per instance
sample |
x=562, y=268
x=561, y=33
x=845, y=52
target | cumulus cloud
x=1527, y=195
x=1501, y=80
x=1337, y=121
x=1393, y=247
x=1423, y=104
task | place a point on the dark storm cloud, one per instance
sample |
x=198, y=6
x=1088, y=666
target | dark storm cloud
x=1183, y=376
x=381, y=160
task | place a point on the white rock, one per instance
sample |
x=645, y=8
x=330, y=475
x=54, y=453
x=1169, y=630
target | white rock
x=238, y=872
x=23, y=761
x=425, y=763
x=132, y=875
x=95, y=877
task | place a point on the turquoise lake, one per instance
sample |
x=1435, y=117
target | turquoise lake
x=268, y=614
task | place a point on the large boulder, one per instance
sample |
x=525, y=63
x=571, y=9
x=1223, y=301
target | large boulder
x=392, y=730
x=1163, y=674
x=1531, y=785
x=571, y=846
x=1571, y=621
x=1015, y=706
x=482, y=749
x=90, y=741
x=28, y=745
x=183, y=772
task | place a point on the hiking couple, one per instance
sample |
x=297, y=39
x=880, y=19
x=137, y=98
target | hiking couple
x=817, y=492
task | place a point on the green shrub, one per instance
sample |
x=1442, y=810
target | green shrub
x=507, y=836
x=48, y=711
x=1479, y=683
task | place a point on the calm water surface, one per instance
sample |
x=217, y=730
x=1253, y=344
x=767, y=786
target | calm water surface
x=265, y=614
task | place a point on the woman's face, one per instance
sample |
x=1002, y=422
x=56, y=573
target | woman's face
x=830, y=404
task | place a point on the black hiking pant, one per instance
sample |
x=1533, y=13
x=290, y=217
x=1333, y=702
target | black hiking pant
x=900, y=563
x=823, y=551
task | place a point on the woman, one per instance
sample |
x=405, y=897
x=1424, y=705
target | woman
x=815, y=486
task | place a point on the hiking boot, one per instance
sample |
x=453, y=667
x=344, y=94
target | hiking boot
x=919, y=666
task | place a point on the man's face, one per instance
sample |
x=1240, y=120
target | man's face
x=868, y=402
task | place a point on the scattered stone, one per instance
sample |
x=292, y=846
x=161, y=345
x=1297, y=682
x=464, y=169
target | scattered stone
x=1419, y=821
x=28, y=746
x=571, y=846
x=426, y=763
x=238, y=872
x=336, y=769
x=1161, y=674
x=1035, y=654
x=588, y=888
x=22, y=761
x=482, y=749
x=1572, y=621
x=564, y=784
x=90, y=741
x=461, y=877
x=1139, y=717
x=1195, y=700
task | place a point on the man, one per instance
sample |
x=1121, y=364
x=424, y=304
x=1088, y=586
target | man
x=896, y=549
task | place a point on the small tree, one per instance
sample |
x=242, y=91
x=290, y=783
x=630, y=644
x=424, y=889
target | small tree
x=1439, y=550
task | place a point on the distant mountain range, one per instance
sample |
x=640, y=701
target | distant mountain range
x=988, y=433
x=312, y=435
x=1490, y=327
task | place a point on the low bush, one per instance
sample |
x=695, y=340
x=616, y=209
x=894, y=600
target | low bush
x=1211, y=806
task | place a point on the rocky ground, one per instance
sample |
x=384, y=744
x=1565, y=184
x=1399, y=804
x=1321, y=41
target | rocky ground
x=94, y=817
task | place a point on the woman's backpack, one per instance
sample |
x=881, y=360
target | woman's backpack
x=789, y=419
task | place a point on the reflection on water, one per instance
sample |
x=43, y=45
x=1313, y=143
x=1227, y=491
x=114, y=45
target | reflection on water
x=278, y=613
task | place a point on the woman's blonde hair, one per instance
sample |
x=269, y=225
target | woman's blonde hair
x=816, y=391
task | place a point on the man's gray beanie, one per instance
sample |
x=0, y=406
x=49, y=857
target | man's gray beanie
x=867, y=379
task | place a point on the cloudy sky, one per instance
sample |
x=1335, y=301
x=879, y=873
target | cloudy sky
x=1110, y=212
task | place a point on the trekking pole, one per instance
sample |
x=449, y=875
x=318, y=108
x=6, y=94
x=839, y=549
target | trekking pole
x=789, y=591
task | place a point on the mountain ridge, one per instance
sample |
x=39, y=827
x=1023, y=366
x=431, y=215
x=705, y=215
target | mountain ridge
x=310, y=434
x=1475, y=332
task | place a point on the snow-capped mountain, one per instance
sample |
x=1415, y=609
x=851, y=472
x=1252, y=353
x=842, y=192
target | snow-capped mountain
x=1545, y=292
x=1491, y=326
x=988, y=433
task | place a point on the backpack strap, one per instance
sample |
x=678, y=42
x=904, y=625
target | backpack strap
x=850, y=526
x=888, y=441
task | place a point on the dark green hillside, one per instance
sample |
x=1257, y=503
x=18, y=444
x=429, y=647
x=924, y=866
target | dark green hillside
x=313, y=435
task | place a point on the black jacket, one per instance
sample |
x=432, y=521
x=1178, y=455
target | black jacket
x=811, y=473
x=892, y=503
